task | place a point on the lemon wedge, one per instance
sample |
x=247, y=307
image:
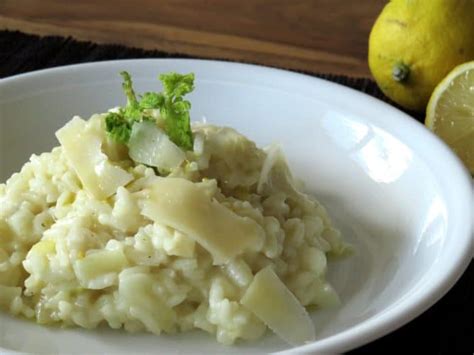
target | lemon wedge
x=450, y=112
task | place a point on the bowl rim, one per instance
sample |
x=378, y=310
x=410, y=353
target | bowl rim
x=453, y=178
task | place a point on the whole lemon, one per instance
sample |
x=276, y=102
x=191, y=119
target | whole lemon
x=415, y=43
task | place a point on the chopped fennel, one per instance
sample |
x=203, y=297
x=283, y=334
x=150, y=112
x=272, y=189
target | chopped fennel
x=149, y=145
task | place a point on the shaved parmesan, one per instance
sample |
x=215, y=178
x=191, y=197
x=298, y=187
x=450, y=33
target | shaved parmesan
x=271, y=301
x=82, y=147
x=187, y=207
x=273, y=152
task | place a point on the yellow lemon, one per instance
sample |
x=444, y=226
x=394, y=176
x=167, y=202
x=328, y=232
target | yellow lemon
x=415, y=43
x=450, y=112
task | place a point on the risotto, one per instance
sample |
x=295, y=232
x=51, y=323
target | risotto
x=216, y=236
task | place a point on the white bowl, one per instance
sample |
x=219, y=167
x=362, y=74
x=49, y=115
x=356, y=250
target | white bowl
x=396, y=191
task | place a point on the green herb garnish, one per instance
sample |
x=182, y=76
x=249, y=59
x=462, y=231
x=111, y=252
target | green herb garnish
x=118, y=128
x=173, y=109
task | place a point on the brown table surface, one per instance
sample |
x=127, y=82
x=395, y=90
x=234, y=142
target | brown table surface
x=325, y=36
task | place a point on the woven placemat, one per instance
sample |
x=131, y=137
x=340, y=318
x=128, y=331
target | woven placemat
x=447, y=327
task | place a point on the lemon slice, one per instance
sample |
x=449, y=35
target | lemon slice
x=450, y=112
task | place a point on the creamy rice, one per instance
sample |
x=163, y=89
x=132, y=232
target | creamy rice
x=71, y=259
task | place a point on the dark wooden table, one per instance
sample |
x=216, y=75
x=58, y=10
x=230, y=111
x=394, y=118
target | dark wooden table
x=328, y=36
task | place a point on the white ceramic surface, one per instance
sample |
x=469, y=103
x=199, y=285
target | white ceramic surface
x=398, y=194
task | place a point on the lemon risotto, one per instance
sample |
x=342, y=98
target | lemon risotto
x=129, y=224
